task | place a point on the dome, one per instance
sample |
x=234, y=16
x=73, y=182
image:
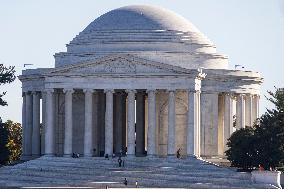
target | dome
x=141, y=17
x=149, y=32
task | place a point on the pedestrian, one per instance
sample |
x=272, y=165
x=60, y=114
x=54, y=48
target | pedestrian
x=126, y=151
x=119, y=161
x=178, y=153
x=136, y=184
x=123, y=163
x=260, y=167
x=125, y=182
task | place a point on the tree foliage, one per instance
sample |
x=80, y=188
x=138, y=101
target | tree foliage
x=264, y=142
x=10, y=142
x=4, y=152
x=7, y=75
x=241, y=145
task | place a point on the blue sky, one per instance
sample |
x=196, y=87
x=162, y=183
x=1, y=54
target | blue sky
x=251, y=33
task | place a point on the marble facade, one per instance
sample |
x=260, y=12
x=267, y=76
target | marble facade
x=132, y=79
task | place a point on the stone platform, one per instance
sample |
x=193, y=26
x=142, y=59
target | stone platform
x=99, y=172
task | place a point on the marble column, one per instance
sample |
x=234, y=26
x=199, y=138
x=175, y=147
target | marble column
x=29, y=123
x=36, y=125
x=140, y=123
x=119, y=121
x=248, y=110
x=43, y=124
x=131, y=122
x=171, y=124
x=109, y=122
x=68, y=123
x=228, y=119
x=88, y=131
x=151, y=137
x=24, y=149
x=221, y=132
x=240, y=112
x=49, y=130
x=209, y=124
x=255, y=108
x=193, y=125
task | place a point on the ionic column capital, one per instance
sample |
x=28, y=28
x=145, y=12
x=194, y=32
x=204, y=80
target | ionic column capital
x=108, y=90
x=35, y=92
x=68, y=91
x=130, y=91
x=193, y=91
x=151, y=91
x=171, y=90
x=240, y=95
x=89, y=90
x=49, y=90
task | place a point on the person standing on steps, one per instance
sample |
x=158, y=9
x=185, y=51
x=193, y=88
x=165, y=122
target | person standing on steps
x=123, y=163
x=136, y=184
x=119, y=161
x=178, y=153
x=120, y=152
x=125, y=182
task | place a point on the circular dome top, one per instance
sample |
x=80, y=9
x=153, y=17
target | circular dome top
x=148, y=32
x=141, y=17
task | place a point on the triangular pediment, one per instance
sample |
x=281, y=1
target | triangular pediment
x=122, y=64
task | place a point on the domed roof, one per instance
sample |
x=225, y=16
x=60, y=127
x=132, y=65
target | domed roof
x=141, y=17
x=148, y=32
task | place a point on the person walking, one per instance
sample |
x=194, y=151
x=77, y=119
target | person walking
x=119, y=161
x=178, y=153
x=123, y=163
x=125, y=182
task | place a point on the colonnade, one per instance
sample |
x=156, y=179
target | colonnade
x=32, y=133
x=243, y=109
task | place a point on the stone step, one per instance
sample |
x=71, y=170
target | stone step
x=126, y=173
x=86, y=168
x=36, y=180
x=98, y=172
x=133, y=163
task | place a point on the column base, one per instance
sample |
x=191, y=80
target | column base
x=190, y=156
x=35, y=156
x=87, y=156
x=130, y=156
x=67, y=155
x=26, y=157
x=171, y=156
x=48, y=155
x=151, y=156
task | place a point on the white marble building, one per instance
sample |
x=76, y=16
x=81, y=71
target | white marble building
x=140, y=77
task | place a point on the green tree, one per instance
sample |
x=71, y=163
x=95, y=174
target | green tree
x=269, y=132
x=264, y=142
x=7, y=75
x=4, y=152
x=14, y=144
x=242, y=148
x=11, y=143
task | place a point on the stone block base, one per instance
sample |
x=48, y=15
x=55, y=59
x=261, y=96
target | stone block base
x=267, y=177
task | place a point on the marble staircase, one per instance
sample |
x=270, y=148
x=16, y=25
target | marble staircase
x=99, y=172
